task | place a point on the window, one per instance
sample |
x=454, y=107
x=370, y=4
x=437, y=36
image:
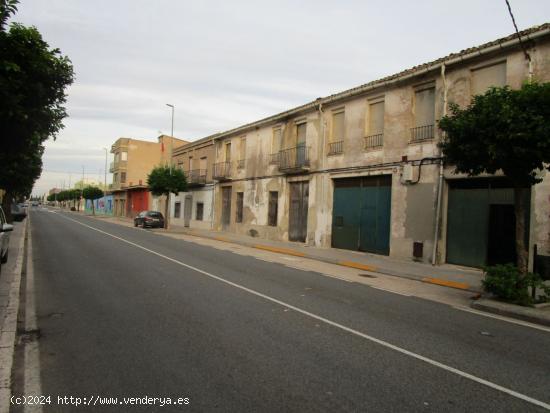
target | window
x=240, y=201
x=123, y=156
x=376, y=118
x=301, y=129
x=485, y=77
x=190, y=163
x=337, y=126
x=276, y=140
x=202, y=165
x=375, y=126
x=336, y=140
x=228, y=152
x=177, y=210
x=117, y=157
x=115, y=177
x=272, y=208
x=242, y=148
x=200, y=211
x=122, y=177
x=180, y=164
x=424, y=114
x=242, y=153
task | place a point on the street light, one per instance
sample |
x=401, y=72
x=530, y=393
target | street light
x=105, y=179
x=171, y=136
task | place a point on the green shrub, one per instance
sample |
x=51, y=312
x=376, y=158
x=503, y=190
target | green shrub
x=506, y=283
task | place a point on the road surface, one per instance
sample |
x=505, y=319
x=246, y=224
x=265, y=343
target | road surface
x=127, y=312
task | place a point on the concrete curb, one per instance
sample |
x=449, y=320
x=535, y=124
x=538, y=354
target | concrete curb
x=287, y=251
x=349, y=264
x=8, y=332
x=529, y=314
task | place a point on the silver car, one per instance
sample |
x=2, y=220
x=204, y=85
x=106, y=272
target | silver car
x=5, y=230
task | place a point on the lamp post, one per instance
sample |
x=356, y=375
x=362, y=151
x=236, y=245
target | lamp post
x=171, y=136
x=105, y=179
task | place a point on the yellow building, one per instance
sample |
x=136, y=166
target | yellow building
x=133, y=161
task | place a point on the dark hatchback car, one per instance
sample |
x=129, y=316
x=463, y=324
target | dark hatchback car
x=152, y=219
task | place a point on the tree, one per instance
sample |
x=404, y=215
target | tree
x=92, y=193
x=33, y=79
x=503, y=130
x=162, y=180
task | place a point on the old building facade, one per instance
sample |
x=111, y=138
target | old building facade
x=193, y=208
x=361, y=169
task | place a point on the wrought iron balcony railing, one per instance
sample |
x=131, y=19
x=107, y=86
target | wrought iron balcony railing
x=196, y=177
x=294, y=160
x=274, y=158
x=240, y=164
x=374, y=141
x=222, y=170
x=422, y=133
x=335, y=148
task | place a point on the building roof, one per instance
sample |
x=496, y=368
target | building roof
x=466, y=54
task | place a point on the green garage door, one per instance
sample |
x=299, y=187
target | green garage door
x=481, y=222
x=361, y=214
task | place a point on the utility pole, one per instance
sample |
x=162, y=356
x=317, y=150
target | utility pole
x=105, y=179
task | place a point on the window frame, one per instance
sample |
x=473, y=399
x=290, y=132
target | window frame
x=273, y=209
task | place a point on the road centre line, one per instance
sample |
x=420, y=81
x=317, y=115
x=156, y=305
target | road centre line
x=383, y=343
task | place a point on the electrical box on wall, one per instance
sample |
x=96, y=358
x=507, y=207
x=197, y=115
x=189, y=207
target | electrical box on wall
x=407, y=172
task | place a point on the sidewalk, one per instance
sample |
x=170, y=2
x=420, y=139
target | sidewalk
x=10, y=283
x=445, y=275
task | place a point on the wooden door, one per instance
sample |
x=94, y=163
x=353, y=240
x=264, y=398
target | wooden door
x=299, y=198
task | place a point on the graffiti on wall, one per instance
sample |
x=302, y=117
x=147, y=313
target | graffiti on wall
x=103, y=206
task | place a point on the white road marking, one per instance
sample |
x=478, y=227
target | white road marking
x=503, y=318
x=389, y=291
x=383, y=343
x=31, y=385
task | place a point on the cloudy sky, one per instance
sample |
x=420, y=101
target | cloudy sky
x=226, y=63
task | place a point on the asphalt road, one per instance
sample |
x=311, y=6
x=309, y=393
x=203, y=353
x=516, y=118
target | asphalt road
x=125, y=312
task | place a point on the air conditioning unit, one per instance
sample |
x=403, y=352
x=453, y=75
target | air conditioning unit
x=407, y=172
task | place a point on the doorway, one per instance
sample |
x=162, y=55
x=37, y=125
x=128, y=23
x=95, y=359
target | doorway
x=299, y=197
x=226, y=207
x=187, y=208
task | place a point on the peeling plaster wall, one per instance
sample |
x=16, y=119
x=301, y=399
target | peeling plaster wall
x=413, y=206
x=203, y=195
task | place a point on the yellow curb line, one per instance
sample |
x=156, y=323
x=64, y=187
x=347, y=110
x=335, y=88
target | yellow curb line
x=452, y=284
x=279, y=250
x=357, y=265
x=219, y=239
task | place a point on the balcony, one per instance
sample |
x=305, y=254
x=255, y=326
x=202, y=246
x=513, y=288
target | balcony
x=222, y=171
x=422, y=133
x=274, y=158
x=374, y=141
x=196, y=177
x=294, y=160
x=335, y=148
x=118, y=165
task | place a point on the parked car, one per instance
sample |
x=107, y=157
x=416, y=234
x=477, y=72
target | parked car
x=150, y=219
x=18, y=212
x=5, y=230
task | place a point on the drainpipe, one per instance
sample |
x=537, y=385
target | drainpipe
x=212, y=211
x=440, y=180
x=323, y=157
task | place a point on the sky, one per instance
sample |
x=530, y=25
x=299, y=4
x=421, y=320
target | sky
x=223, y=64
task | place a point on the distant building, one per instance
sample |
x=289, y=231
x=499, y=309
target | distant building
x=133, y=161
